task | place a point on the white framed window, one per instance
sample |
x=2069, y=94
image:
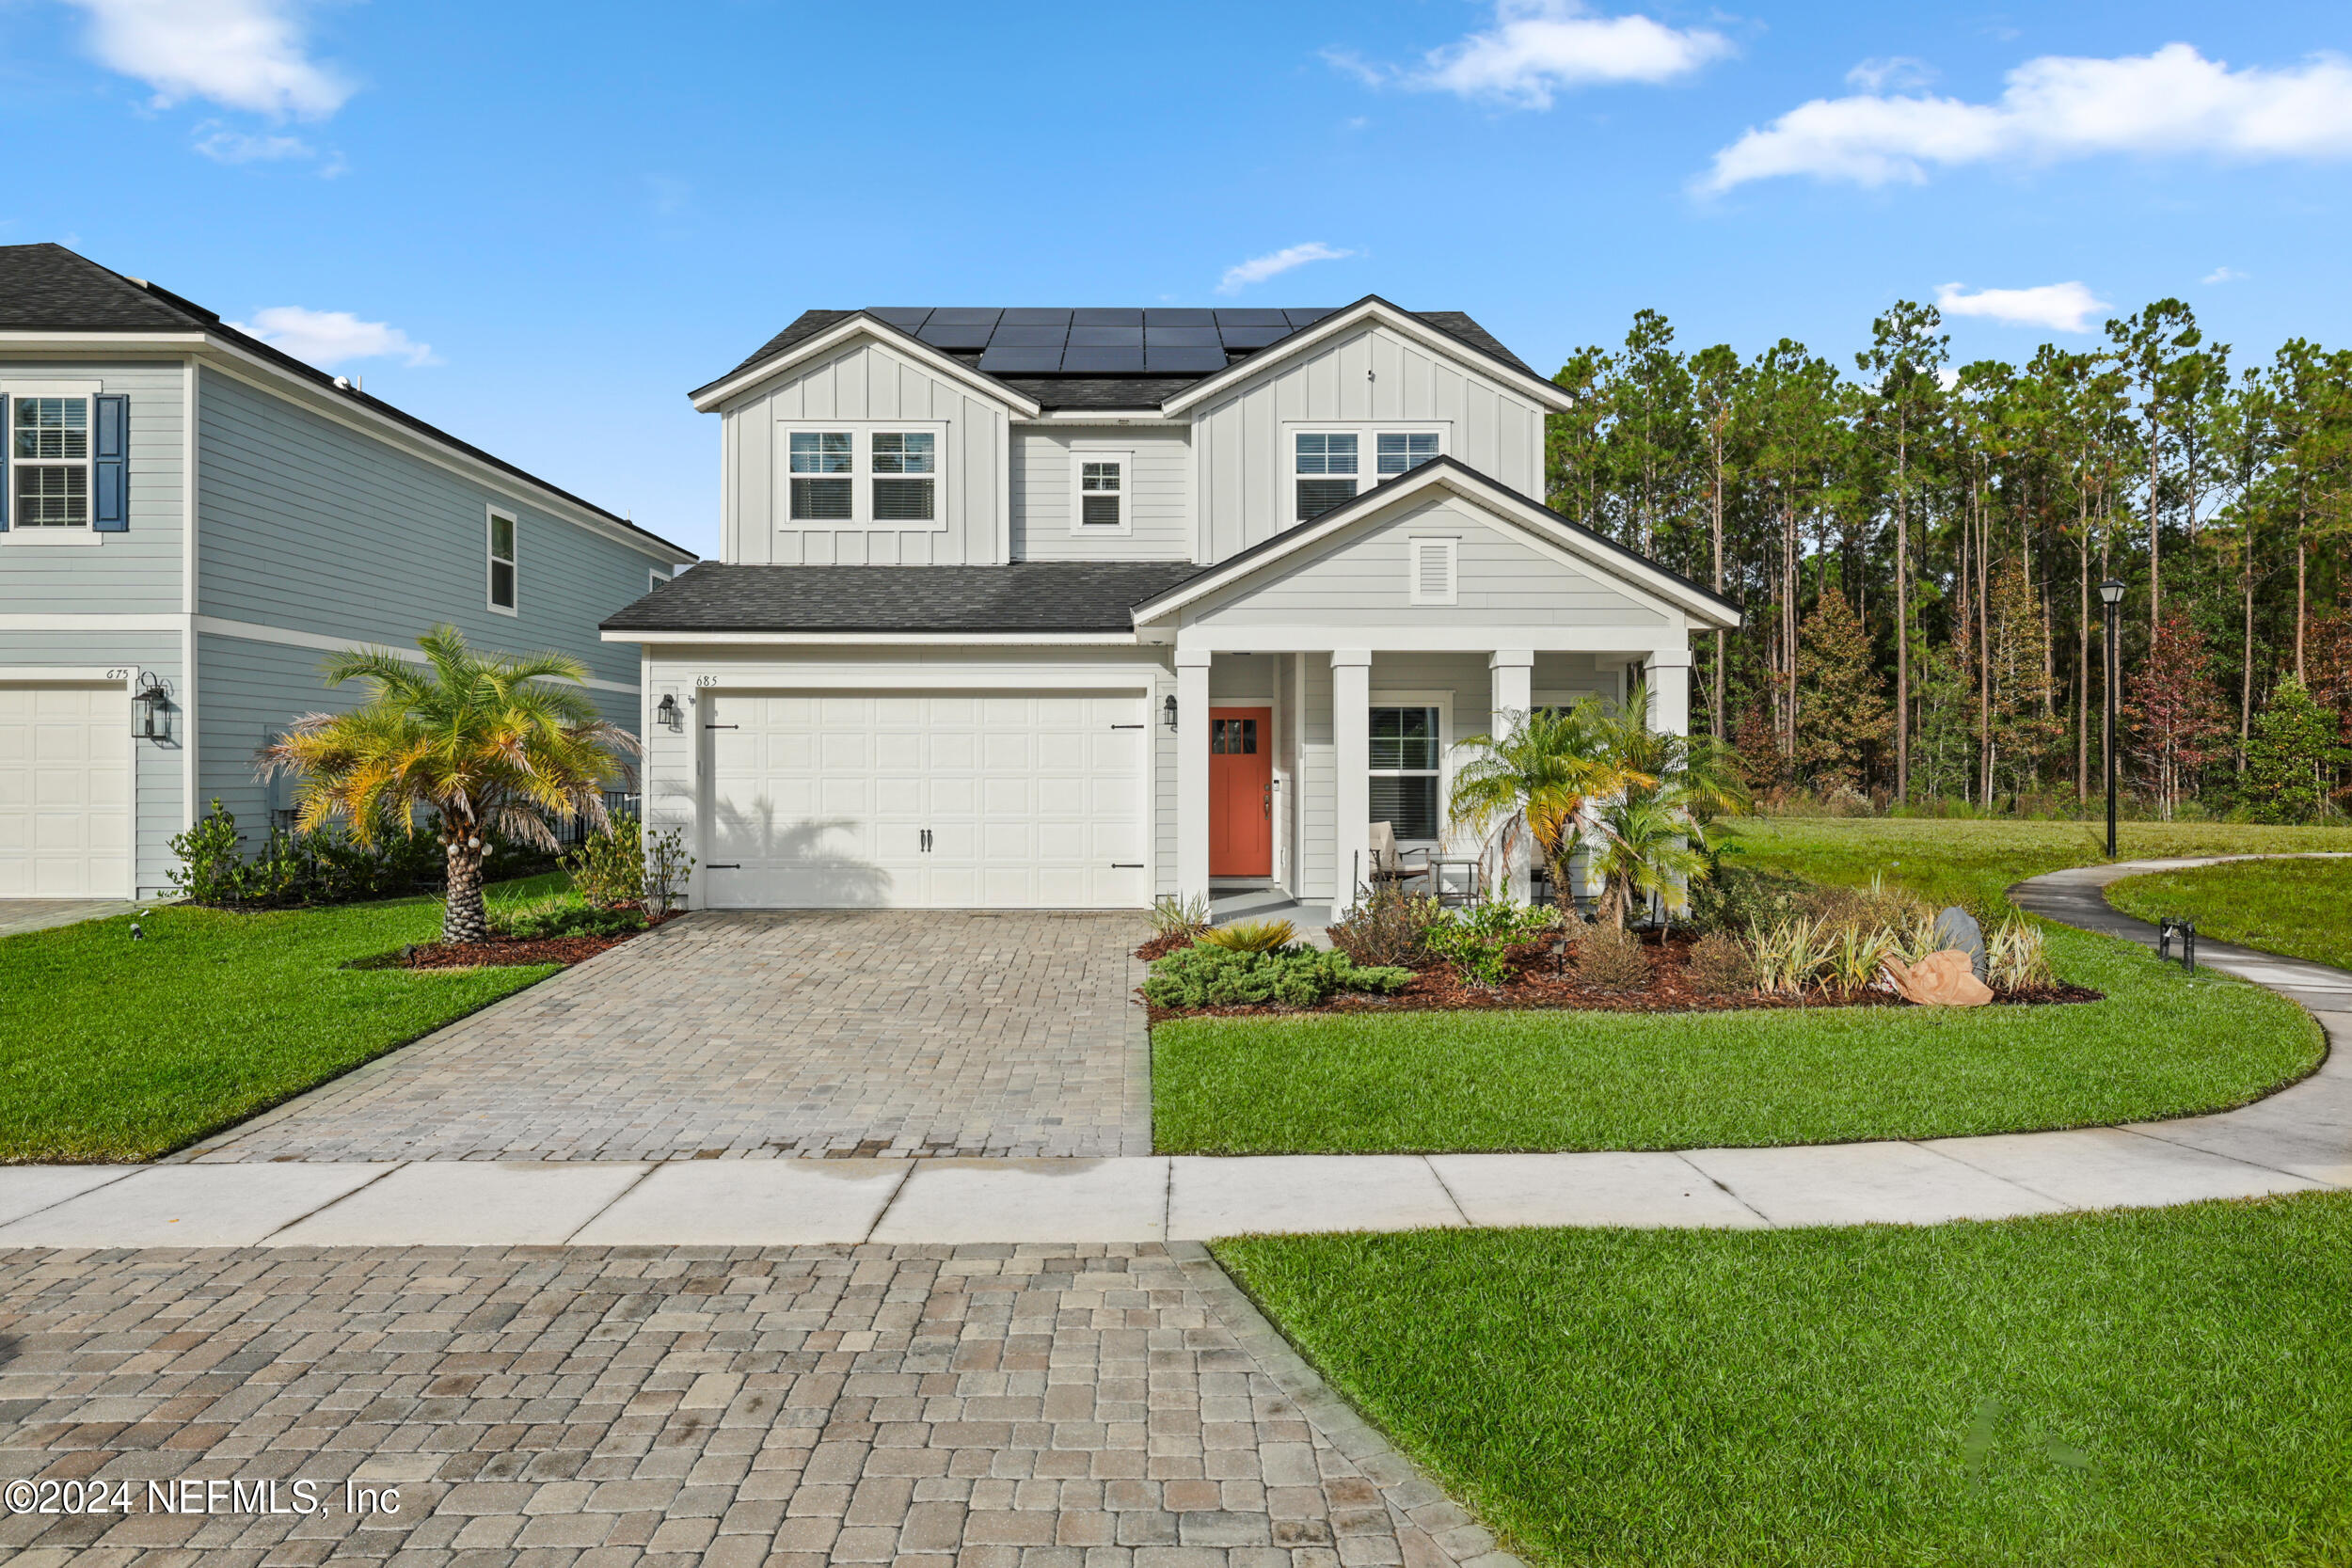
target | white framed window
x=504, y=563
x=655, y=578
x=1102, y=486
x=1432, y=570
x=1331, y=464
x=863, y=474
x=1408, y=763
x=49, y=461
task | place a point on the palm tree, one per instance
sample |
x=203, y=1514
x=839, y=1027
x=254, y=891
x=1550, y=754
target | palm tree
x=482, y=741
x=1644, y=849
x=1654, y=834
x=1540, y=781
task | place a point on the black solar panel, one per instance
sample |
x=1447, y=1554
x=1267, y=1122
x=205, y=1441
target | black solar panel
x=1113, y=361
x=999, y=361
x=1181, y=361
x=1097, y=342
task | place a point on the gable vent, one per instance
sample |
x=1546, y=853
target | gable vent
x=1432, y=564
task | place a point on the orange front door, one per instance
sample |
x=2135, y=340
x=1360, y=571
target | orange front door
x=1241, y=792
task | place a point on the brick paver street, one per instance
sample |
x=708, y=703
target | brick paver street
x=755, y=1036
x=974, y=1407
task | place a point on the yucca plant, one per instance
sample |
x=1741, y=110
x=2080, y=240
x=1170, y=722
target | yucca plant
x=1789, y=956
x=1251, y=936
x=1172, y=917
x=1857, y=956
x=485, y=742
x=2016, y=958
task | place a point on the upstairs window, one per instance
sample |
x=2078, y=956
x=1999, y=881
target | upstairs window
x=1325, y=468
x=1329, y=468
x=863, y=476
x=502, y=562
x=49, y=454
x=1100, y=482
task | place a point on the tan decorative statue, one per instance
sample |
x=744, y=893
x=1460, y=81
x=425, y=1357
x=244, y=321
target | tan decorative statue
x=1941, y=979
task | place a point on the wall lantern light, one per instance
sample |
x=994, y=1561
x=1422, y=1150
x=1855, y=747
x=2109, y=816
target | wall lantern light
x=1168, y=710
x=150, y=701
x=667, y=711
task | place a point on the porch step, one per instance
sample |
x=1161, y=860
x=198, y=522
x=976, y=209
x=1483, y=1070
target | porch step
x=1249, y=903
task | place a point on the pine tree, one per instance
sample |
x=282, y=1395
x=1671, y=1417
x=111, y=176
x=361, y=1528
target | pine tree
x=2289, y=759
x=1845, y=712
x=2021, y=727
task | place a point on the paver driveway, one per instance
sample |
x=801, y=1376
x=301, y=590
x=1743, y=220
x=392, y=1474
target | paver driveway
x=973, y=1407
x=761, y=1034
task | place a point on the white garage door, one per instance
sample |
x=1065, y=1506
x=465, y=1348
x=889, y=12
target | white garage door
x=65, y=791
x=932, y=799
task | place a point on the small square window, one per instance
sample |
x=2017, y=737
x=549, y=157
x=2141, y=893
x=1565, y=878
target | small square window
x=1102, y=482
x=1401, y=451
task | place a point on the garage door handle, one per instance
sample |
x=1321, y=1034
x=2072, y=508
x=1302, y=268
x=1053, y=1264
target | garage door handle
x=1126, y=726
x=722, y=726
x=927, y=841
x=1127, y=865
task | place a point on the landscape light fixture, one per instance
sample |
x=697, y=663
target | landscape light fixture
x=2110, y=596
x=1168, y=711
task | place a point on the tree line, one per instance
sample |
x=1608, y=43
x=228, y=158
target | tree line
x=1919, y=546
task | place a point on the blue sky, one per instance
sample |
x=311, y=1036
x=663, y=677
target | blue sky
x=539, y=225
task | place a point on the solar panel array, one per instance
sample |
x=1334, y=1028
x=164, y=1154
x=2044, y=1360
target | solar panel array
x=1098, y=342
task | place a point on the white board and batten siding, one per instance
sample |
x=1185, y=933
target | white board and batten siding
x=1371, y=377
x=864, y=382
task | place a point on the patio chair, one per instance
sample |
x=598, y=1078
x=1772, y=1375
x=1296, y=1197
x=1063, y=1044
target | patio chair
x=1394, y=867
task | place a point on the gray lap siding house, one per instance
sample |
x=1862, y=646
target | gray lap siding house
x=323, y=519
x=1184, y=566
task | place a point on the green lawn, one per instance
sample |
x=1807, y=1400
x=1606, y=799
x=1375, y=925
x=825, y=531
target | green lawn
x=2302, y=908
x=115, y=1049
x=1955, y=861
x=2163, y=1044
x=2164, y=1387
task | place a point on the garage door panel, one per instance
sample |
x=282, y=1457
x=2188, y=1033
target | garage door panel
x=1006, y=785
x=65, y=791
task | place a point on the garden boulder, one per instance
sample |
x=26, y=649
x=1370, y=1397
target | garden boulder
x=1957, y=928
x=1941, y=979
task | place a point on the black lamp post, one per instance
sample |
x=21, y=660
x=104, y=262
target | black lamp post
x=2110, y=596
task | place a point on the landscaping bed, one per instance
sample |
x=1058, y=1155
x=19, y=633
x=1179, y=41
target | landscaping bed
x=502, y=951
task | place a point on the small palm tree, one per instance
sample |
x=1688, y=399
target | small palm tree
x=1539, y=782
x=1653, y=835
x=482, y=741
x=1644, y=848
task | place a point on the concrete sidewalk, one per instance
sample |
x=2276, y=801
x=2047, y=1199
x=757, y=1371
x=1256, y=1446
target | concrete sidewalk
x=2299, y=1139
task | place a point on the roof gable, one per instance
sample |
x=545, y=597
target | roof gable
x=1373, y=310
x=846, y=327
x=1608, y=561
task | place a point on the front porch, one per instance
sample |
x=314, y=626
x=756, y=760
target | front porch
x=1286, y=758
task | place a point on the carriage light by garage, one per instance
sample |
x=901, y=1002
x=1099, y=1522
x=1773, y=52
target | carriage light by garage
x=667, y=711
x=150, y=701
x=1169, y=711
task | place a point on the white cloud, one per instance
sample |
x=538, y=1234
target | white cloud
x=1899, y=71
x=1259, y=268
x=2223, y=274
x=243, y=53
x=330, y=337
x=2058, y=307
x=224, y=146
x=2174, y=101
x=1539, y=47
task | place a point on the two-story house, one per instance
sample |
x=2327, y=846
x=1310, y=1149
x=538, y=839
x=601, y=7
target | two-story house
x=190, y=520
x=1072, y=607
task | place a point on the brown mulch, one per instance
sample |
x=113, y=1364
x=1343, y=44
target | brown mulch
x=1160, y=947
x=1535, y=984
x=503, y=952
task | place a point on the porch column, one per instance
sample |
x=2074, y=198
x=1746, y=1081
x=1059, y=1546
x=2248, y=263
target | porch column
x=1669, y=676
x=1192, y=772
x=1351, y=749
x=1510, y=676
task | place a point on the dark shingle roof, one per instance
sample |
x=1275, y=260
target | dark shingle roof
x=47, y=288
x=1027, y=596
x=1127, y=391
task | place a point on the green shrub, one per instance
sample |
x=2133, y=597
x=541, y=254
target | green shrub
x=289, y=870
x=1477, y=940
x=1737, y=898
x=1720, y=966
x=544, y=918
x=608, y=869
x=1219, y=977
x=1389, y=928
x=667, y=867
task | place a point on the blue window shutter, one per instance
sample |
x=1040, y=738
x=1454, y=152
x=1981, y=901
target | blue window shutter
x=5, y=438
x=110, y=469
